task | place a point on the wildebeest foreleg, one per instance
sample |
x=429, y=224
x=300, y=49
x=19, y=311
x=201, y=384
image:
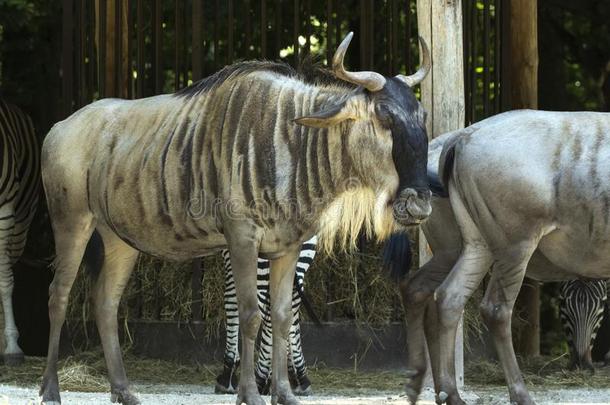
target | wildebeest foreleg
x=119, y=259
x=71, y=236
x=281, y=279
x=244, y=254
x=496, y=308
x=416, y=293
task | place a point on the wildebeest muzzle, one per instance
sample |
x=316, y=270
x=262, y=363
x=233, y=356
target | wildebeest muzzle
x=412, y=206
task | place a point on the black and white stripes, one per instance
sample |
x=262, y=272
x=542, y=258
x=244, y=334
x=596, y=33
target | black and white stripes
x=582, y=309
x=19, y=188
x=226, y=382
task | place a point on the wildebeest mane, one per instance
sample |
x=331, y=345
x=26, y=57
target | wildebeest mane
x=232, y=71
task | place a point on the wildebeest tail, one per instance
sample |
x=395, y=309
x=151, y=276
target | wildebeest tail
x=93, y=260
x=397, y=256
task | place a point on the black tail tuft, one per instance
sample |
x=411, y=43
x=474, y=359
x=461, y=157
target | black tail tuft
x=94, y=255
x=397, y=256
x=307, y=304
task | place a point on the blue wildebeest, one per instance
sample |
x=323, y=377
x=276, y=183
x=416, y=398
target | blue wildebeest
x=251, y=158
x=528, y=192
x=581, y=306
x=19, y=190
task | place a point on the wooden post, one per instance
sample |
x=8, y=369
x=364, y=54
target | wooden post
x=520, y=90
x=440, y=24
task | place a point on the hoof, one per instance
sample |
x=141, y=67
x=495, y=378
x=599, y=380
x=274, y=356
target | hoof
x=249, y=397
x=442, y=397
x=287, y=400
x=412, y=395
x=414, y=384
x=49, y=392
x=124, y=397
x=14, y=359
x=221, y=389
x=302, y=391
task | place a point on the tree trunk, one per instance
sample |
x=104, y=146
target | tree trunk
x=520, y=90
x=440, y=24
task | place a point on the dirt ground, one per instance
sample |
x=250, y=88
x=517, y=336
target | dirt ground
x=203, y=395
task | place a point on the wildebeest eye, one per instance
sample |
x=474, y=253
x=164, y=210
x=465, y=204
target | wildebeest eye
x=383, y=114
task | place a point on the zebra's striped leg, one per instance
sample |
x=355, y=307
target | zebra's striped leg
x=281, y=281
x=119, y=260
x=297, y=368
x=244, y=252
x=12, y=352
x=262, y=372
x=72, y=232
x=226, y=382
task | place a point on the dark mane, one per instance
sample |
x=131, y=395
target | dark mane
x=230, y=71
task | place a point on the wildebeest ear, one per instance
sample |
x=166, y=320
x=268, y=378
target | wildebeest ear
x=328, y=117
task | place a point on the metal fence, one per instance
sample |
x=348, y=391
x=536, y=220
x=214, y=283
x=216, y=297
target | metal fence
x=137, y=48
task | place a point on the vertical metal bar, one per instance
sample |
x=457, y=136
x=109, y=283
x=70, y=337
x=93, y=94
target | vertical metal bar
x=90, y=49
x=338, y=24
x=140, y=50
x=473, y=58
x=371, y=35
x=127, y=47
x=158, y=47
x=101, y=46
x=197, y=39
x=329, y=24
x=216, y=34
x=81, y=91
x=497, y=54
x=486, y=57
x=196, y=290
x=178, y=27
x=118, y=50
x=407, y=46
x=307, y=48
x=297, y=22
x=363, y=22
x=230, y=32
x=467, y=62
x=67, y=60
x=263, y=29
x=394, y=38
x=248, y=36
x=277, y=24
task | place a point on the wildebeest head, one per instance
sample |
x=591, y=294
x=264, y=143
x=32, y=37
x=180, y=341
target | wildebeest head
x=387, y=137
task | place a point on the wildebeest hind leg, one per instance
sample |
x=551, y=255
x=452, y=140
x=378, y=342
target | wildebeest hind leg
x=416, y=294
x=72, y=232
x=281, y=280
x=119, y=259
x=496, y=308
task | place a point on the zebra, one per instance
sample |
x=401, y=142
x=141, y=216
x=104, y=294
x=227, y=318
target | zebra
x=581, y=307
x=252, y=159
x=226, y=382
x=19, y=188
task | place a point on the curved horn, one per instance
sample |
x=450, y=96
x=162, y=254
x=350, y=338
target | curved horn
x=424, y=69
x=372, y=81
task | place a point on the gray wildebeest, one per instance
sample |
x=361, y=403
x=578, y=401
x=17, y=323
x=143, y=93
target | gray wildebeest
x=528, y=192
x=251, y=158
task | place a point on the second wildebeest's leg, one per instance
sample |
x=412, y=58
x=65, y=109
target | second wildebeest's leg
x=497, y=307
x=281, y=280
x=416, y=292
x=119, y=260
x=72, y=232
x=243, y=248
x=451, y=296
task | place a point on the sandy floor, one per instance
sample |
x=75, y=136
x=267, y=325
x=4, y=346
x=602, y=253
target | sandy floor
x=191, y=395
